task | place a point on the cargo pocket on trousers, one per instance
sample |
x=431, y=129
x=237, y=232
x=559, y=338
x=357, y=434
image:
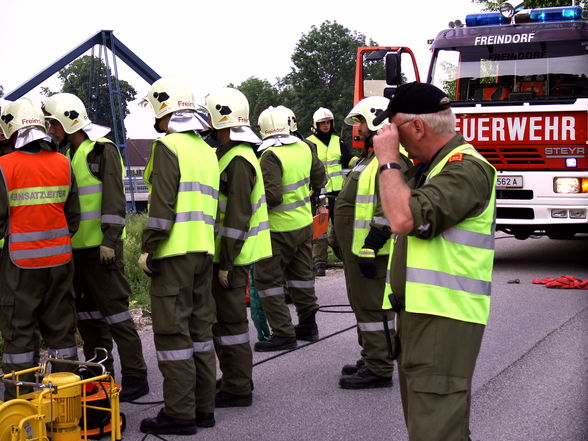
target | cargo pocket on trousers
x=164, y=305
x=440, y=384
x=6, y=315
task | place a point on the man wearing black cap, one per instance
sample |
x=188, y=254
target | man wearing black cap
x=441, y=267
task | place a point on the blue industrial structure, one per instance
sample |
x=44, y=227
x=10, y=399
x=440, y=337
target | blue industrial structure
x=105, y=40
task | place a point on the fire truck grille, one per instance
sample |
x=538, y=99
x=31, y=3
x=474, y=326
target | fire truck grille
x=515, y=213
x=514, y=194
x=512, y=156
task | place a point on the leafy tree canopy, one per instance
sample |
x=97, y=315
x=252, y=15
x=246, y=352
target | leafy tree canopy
x=324, y=72
x=322, y=76
x=89, y=74
x=260, y=94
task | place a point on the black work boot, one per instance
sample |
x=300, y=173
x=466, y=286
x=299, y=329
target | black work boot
x=205, y=419
x=133, y=388
x=364, y=379
x=350, y=369
x=320, y=270
x=227, y=399
x=275, y=343
x=307, y=329
x=166, y=425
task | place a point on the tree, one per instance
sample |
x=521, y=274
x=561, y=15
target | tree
x=494, y=5
x=260, y=94
x=323, y=73
x=87, y=74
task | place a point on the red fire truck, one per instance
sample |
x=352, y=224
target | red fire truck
x=518, y=82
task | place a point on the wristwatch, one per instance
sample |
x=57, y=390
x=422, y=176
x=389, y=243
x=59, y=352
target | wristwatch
x=390, y=165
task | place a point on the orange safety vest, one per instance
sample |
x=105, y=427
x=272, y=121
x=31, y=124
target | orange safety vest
x=38, y=185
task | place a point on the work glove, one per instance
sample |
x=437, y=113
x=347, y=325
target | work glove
x=367, y=263
x=146, y=264
x=106, y=255
x=223, y=278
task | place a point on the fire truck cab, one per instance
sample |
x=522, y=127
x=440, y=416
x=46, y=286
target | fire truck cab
x=519, y=89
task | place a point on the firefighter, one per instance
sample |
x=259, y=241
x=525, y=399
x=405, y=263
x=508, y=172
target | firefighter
x=334, y=154
x=39, y=210
x=242, y=238
x=441, y=268
x=364, y=238
x=288, y=167
x=102, y=290
x=5, y=148
x=177, y=253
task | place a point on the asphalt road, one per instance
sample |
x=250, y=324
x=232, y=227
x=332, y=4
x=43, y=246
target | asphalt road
x=531, y=380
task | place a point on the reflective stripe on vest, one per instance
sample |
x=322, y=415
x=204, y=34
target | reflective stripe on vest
x=450, y=275
x=257, y=239
x=365, y=206
x=195, y=207
x=38, y=185
x=294, y=212
x=89, y=233
x=330, y=156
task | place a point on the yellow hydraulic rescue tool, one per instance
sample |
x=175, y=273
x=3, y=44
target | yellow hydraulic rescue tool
x=58, y=408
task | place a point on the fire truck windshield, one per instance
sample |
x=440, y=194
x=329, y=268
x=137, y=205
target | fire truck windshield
x=530, y=71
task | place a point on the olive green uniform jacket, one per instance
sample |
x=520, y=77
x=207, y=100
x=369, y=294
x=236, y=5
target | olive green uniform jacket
x=438, y=354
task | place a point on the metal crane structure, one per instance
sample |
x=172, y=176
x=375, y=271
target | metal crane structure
x=104, y=39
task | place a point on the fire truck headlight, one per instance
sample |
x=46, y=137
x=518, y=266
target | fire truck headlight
x=559, y=214
x=566, y=185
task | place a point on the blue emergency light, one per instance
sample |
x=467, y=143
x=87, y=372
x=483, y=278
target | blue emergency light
x=542, y=15
x=567, y=13
x=489, y=19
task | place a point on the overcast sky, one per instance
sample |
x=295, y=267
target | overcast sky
x=211, y=43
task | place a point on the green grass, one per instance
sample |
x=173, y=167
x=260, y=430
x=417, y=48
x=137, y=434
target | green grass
x=137, y=279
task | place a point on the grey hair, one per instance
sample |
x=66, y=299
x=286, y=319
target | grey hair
x=440, y=123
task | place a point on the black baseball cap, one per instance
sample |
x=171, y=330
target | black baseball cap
x=415, y=98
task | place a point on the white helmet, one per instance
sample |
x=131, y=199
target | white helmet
x=170, y=94
x=368, y=108
x=291, y=119
x=274, y=121
x=69, y=110
x=227, y=107
x=322, y=114
x=19, y=114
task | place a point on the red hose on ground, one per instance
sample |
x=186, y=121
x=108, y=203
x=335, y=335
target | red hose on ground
x=563, y=282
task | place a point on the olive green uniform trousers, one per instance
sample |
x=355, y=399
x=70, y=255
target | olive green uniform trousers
x=183, y=313
x=231, y=332
x=365, y=297
x=102, y=303
x=290, y=266
x=31, y=300
x=435, y=367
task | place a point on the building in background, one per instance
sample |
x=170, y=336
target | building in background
x=138, y=155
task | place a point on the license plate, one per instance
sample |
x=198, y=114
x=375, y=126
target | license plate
x=509, y=182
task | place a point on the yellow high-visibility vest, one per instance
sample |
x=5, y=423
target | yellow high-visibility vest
x=294, y=212
x=257, y=239
x=450, y=275
x=195, y=207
